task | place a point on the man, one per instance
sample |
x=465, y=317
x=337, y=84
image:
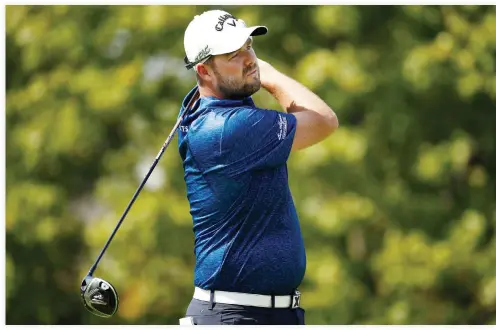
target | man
x=250, y=257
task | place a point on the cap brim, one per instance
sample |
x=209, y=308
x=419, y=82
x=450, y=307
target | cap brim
x=237, y=38
x=259, y=30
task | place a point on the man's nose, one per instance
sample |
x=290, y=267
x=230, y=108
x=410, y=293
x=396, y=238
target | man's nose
x=250, y=60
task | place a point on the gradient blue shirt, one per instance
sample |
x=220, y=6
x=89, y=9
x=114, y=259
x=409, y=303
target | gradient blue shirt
x=247, y=233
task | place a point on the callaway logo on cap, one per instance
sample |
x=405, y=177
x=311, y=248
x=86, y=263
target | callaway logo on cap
x=215, y=32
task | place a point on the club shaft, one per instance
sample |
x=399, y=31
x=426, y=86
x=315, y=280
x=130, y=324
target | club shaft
x=137, y=192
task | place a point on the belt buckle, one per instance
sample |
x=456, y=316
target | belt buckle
x=296, y=299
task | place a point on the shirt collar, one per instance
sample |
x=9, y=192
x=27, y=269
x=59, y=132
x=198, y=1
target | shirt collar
x=211, y=102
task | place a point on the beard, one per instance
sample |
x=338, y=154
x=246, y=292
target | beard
x=236, y=89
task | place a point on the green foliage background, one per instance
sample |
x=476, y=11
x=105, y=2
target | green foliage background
x=397, y=208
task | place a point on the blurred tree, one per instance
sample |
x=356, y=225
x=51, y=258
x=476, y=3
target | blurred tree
x=397, y=208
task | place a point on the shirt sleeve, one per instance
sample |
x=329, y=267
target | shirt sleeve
x=254, y=138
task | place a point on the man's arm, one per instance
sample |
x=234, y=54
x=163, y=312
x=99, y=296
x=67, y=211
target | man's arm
x=315, y=119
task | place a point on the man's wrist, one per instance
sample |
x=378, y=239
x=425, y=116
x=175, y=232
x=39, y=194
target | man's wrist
x=270, y=83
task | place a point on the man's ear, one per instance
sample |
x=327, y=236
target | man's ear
x=204, y=72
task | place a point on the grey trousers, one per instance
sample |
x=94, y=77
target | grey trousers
x=204, y=313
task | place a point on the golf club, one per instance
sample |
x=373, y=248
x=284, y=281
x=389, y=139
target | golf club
x=99, y=296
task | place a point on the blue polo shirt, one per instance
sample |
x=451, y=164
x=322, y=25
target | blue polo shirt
x=247, y=233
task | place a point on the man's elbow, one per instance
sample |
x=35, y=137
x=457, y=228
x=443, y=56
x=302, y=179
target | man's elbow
x=332, y=123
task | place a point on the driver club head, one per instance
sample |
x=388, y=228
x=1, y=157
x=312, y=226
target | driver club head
x=99, y=296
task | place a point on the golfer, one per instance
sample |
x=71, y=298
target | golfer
x=250, y=256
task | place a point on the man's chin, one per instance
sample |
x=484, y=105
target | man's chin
x=253, y=90
x=248, y=91
x=256, y=87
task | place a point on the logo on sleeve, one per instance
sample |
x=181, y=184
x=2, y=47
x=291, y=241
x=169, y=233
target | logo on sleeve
x=283, y=127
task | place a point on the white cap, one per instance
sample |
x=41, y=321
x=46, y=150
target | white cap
x=216, y=32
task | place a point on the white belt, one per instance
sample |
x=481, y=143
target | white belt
x=248, y=299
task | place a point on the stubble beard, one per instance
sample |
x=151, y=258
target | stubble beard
x=231, y=88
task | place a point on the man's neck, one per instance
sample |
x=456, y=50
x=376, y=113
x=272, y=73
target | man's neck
x=206, y=92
